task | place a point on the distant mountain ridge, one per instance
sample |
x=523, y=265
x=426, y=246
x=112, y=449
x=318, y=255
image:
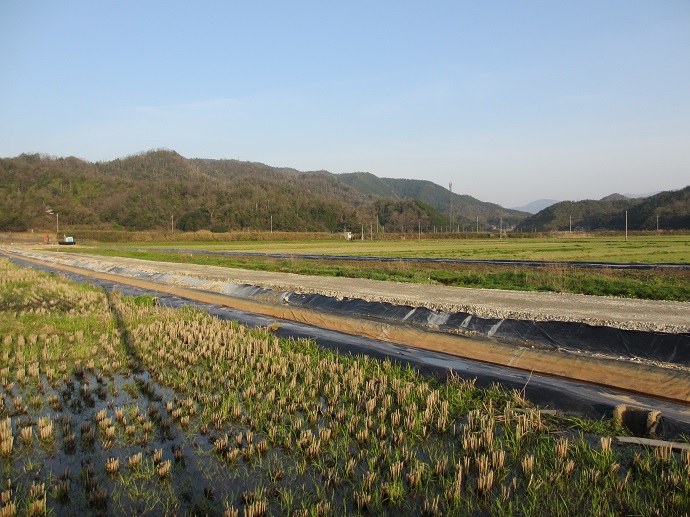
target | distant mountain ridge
x=648, y=194
x=464, y=209
x=536, y=206
x=671, y=210
x=159, y=189
x=615, y=197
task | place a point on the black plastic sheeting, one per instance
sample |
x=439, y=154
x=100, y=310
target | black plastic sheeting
x=426, y=260
x=571, y=336
x=553, y=335
x=549, y=393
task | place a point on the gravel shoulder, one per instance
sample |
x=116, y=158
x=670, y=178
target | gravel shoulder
x=629, y=314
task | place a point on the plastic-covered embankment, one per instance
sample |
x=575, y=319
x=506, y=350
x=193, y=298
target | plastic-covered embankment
x=339, y=315
x=551, y=393
x=569, y=336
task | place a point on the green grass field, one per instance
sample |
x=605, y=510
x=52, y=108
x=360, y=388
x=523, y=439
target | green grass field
x=644, y=284
x=647, y=249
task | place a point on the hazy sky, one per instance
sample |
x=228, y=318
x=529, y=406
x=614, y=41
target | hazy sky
x=512, y=101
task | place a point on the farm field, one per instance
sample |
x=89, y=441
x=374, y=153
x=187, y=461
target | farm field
x=112, y=405
x=659, y=284
x=646, y=249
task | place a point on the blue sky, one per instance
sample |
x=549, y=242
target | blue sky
x=512, y=101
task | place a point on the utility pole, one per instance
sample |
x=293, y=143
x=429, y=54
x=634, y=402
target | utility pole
x=657, y=223
x=271, y=224
x=500, y=229
x=362, y=232
x=49, y=211
x=626, y=226
x=571, y=224
x=450, y=206
x=477, y=224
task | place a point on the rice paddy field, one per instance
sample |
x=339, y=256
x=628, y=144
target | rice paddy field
x=644, y=248
x=112, y=405
x=651, y=284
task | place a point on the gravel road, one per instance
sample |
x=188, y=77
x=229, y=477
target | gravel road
x=660, y=316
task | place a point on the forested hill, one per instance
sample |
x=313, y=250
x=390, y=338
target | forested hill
x=463, y=208
x=158, y=188
x=152, y=190
x=670, y=209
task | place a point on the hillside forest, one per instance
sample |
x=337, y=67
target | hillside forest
x=160, y=189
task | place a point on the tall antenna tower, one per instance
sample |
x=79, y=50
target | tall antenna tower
x=450, y=206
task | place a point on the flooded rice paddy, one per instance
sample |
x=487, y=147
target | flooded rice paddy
x=113, y=405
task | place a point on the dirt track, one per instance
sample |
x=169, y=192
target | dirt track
x=660, y=316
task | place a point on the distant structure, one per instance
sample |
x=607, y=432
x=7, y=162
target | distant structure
x=450, y=206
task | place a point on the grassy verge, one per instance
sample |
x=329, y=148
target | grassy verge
x=153, y=411
x=643, y=284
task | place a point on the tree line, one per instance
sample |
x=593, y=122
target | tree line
x=162, y=190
